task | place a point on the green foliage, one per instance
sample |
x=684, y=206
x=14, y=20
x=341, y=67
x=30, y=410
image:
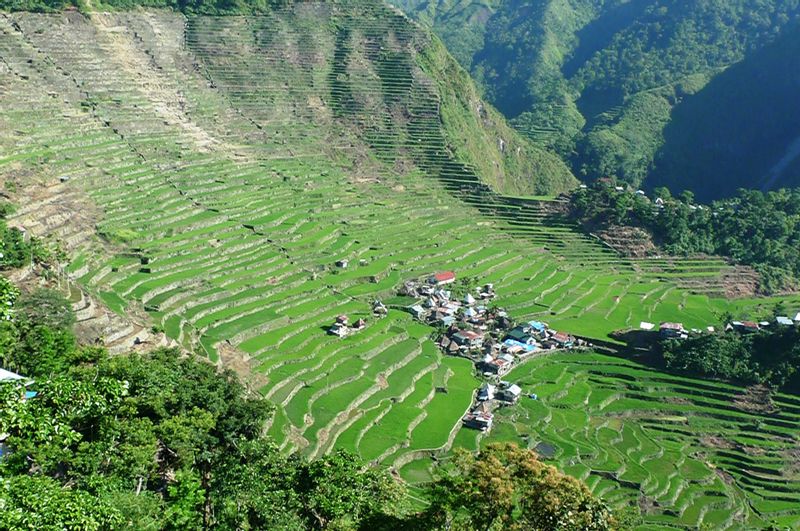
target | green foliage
x=769, y=357
x=39, y=502
x=38, y=340
x=753, y=228
x=16, y=251
x=506, y=487
x=599, y=80
x=8, y=297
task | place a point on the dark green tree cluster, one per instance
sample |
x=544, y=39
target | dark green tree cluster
x=753, y=228
x=166, y=441
x=770, y=357
x=15, y=250
x=603, y=81
x=162, y=441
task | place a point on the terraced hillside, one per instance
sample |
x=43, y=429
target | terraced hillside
x=217, y=167
x=692, y=453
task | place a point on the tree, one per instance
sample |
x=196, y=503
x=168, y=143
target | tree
x=507, y=487
x=39, y=502
x=337, y=492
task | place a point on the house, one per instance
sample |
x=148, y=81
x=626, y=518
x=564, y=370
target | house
x=563, y=340
x=8, y=376
x=672, y=330
x=339, y=329
x=468, y=338
x=342, y=319
x=479, y=418
x=538, y=326
x=503, y=322
x=469, y=300
x=746, y=327
x=519, y=334
x=644, y=325
x=797, y=317
x=64, y=178
x=499, y=366
x=360, y=324
x=784, y=321
x=470, y=313
x=516, y=347
x=342, y=263
x=486, y=392
x=487, y=292
x=379, y=308
x=442, y=279
x=418, y=312
x=509, y=393
x=447, y=320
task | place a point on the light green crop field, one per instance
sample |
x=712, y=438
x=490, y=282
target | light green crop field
x=230, y=161
x=679, y=447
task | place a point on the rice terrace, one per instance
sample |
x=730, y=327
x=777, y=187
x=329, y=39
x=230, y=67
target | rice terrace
x=233, y=185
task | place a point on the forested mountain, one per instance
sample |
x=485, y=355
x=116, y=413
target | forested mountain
x=642, y=91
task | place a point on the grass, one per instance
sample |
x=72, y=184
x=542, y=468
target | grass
x=241, y=236
x=636, y=434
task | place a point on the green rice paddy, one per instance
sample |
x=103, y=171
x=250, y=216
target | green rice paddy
x=233, y=160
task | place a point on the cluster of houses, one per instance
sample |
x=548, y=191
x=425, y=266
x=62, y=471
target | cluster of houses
x=485, y=334
x=678, y=331
x=342, y=328
x=440, y=308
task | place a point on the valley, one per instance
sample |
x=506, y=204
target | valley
x=208, y=173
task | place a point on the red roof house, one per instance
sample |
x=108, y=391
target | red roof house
x=446, y=277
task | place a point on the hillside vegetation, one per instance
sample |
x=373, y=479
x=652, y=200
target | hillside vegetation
x=476, y=133
x=752, y=228
x=206, y=173
x=617, y=88
x=165, y=441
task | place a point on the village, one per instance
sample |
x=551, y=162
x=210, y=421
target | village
x=472, y=327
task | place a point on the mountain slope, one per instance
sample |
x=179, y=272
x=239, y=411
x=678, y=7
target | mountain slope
x=478, y=136
x=598, y=80
x=743, y=126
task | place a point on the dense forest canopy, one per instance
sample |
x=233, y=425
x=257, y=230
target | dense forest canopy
x=605, y=82
x=769, y=357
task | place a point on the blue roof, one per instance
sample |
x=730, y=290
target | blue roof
x=538, y=326
x=515, y=343
x=30, y=394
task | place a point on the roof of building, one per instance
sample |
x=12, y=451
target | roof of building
x=513, y=343
x=784, y=320
x=444, y=276
x=561, y=337
x=538, y=326
x=469, y=335
x=672, y=326
x=8, y=376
